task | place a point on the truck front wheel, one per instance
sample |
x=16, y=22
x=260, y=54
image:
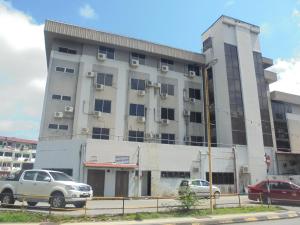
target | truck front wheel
x=7, y=199
x=79, y=204
x=57, y=200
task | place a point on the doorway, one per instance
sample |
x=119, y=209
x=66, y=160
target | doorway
x=121, y=188
x=96, y=179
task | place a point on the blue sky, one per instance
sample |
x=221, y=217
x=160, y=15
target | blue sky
x=178, y=23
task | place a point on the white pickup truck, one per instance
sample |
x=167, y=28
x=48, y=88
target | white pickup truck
x=53, y=187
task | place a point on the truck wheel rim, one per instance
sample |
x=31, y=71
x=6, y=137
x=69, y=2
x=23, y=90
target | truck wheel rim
x=6, y=199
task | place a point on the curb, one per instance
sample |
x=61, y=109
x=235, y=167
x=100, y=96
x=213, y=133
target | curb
x=212, y=221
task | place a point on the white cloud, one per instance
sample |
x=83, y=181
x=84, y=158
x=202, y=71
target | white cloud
x=288, y=72
x=86, y=11
x=23, y=70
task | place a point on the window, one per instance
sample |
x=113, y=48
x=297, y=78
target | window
x=195, y=117
x=194, y=93
x=139, y=57
x=136, y=110
x=18, y=155
x=33, y=155
x=137, y=136
x=174, y=174
x=137, y=84
x=207, y=44
x=194, y=68
x=6, y=164
x=105, y=79
x=67, y=50
x=52, y=126
x=63, y=127
x=167, y=138
x=167, y=113
x=26, y=156
x=221, y=178
x=64, y=69
x=42, y=176
x=16, y=165
x=166, y=61
x=103, y=106
x=8, y=154
x=167, y=89
x=29, y=175
x=1, y=153
x=110, y=52
x=56, y=97
x=66, y=98
x=100, y=133
x=197, y=140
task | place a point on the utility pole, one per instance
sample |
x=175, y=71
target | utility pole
x=208, y=140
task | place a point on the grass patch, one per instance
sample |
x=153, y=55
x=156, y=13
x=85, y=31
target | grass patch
x=13, y=216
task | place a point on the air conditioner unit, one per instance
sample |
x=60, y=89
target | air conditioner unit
x=186, y=113
x=149, y=83
x=191, y=74
x=141, y=93
x=165, y=121
x=97, y=114
x=58, y=114
x=157, y=85
x=163, y=95
x=69, y=109
x=164, y=68
x=84, y=130
x=91, y=74
x=192, y=100
x=141, y=119
x=99, y=87
x=244, y=169
x=101, y=56
x=134, y=62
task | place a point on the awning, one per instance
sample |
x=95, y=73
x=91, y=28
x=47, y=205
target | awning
x=110, y=165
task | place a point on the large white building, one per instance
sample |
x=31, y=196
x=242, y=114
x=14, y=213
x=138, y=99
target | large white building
x=127, y=116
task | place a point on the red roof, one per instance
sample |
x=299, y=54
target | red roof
x=110, y=165
x=19, y=140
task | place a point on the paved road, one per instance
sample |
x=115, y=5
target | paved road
x=295, y=221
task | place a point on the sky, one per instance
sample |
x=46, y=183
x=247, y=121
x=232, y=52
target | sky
x=177, y=23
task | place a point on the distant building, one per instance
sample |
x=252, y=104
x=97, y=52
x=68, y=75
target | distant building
x=16, y=154
x=128, y=116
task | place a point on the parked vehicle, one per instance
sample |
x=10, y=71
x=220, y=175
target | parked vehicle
x=199, y=188
x=35, y=186
x=271, y=191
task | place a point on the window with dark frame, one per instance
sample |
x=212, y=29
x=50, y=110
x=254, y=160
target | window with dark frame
x=137, y=84
x=136, y=136
x=66, y=98
x=166, y=61
x=110, y=52
x=136, y=110
x=167, y=138
x=168, y=113
x=167, y=89
x=53, y=126
x=102, y=106
x=175, y=174
x=62, y=127
x=195, y=117
x=194, y=93
x=56, y=97
x=197, y=140
x=194, y=68
x=67, y=50
x=104, y=78
x=100, y=133
x=60, y=69
x=221, y=178
x=140, y=57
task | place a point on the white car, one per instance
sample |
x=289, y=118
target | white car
x=199, y=188
x=35, y=186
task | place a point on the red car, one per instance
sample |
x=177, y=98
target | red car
x=271, y=191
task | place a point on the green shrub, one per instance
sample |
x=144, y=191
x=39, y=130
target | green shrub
x=188, y=199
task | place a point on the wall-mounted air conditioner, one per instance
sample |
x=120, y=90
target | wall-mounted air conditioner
x=58, y=114
x=101, y=56
x=99, y=87
x=164, y=68
x=97, y=114
x=134, y=62
x=69, y=109
x=244, y=169
x=90, y=74
x=165, y=121
x=141, y=93
x=85, y=130
x=192, y=100
x=163, y=95
x=141, y=119
x=191, y=74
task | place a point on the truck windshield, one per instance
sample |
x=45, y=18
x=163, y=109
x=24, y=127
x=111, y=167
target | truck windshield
x=60, y=176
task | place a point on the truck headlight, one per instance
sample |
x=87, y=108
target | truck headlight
x=71, y=187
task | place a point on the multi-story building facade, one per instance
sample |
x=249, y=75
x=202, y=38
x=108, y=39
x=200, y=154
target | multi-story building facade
x=127, y=116
x=16, y=154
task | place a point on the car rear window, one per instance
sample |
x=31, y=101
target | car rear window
x=184, y=183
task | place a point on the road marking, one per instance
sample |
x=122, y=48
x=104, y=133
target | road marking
x=249, y=219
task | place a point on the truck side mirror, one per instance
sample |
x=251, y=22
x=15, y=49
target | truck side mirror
x=47, y=179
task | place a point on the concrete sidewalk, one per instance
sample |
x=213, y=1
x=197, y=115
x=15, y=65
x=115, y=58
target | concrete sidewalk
x=208, y=220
